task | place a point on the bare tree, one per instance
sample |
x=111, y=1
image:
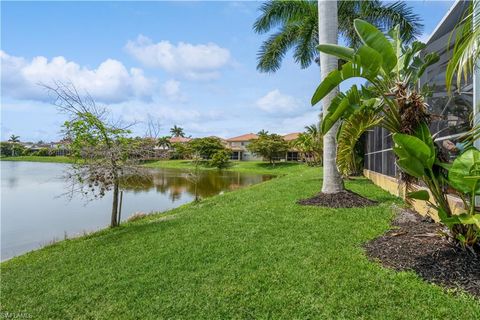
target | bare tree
x=104, y=154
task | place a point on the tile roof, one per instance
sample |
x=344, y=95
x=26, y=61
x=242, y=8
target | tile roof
x=244, y=137
x=291, y=136
x=179, y=139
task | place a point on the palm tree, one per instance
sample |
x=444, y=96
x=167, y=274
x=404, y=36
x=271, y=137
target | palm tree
x=164, y=142
x=262, y=132
x=298, y=24
x=14, y=140
x=177, y=131
x=304, y=24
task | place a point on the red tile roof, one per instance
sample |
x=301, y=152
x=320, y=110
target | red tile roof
x=291, y=136
x=244, y=137
x=179, y=139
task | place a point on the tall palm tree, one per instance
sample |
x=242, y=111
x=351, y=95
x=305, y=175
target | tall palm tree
x=14, y=140
x=328, y=33
x=177, y=131
x=297, y=22
x=306, y=23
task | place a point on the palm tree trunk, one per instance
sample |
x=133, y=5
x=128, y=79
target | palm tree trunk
x=328, y=33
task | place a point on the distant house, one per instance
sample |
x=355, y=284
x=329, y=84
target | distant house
x=292, y=154
x=239, y=144
x=179, y=140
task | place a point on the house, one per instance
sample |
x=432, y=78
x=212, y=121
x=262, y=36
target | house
x=239, y=144
x=293, y=154
x=179, y=140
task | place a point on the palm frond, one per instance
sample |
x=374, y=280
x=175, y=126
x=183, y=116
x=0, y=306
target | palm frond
x=305, y=51
x=349, y=134
x=466, y=51
x=273, y=50
x=278, y=13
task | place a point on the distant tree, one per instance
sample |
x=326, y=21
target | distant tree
x=14, y=140
x=206, y=147
x=221, y=159
x=164, y=142
x=270, y=146
x=310, y=143
x=177, y=131
x=262, y=132
x=107, y=154
x=180, y=151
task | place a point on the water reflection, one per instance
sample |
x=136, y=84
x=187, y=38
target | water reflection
x=33, y=215
x=174, y=183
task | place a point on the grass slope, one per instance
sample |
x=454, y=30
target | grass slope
x=252, y=253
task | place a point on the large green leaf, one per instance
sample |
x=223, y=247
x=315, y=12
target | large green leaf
x=419, y=195
x=465, y=166
x=376, y=40
x=466, y=218
x=365, y=64
x=414, y=155
x=341, y=107
x=338, y=51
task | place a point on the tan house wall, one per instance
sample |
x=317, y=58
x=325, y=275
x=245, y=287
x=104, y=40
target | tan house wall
x=391, y=185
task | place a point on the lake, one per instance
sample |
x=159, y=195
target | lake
x=34, y=212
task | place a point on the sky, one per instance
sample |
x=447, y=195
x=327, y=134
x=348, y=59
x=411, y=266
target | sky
x=192, y=64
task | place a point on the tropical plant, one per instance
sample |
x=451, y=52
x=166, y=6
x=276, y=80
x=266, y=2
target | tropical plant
x=392, y=71
x=270, y=147
x=418, y=157
x=304, y=24
x=349, y=160
x=298, y=27
x=310, y=144
x=164, y=142
x=466, y=51
x=177, y=131
x=14, y=139
x=262, y=132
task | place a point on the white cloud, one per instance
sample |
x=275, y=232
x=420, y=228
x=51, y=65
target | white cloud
x=194, y=62
x=277, y=102
x=111, y=81
x=171, y=89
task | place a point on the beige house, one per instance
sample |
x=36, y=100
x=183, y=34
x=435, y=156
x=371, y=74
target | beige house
x=239, y=144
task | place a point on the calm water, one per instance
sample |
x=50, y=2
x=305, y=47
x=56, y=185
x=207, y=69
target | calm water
x=33, y=212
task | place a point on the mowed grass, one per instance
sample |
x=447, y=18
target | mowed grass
x=57, y=159
x=248, y=254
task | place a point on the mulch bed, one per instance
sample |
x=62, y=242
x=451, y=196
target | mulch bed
x=417, y=244
x=344, y=199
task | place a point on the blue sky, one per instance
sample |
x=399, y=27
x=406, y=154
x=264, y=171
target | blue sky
x=187, y=63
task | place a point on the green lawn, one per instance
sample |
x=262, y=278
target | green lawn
x=58, y=159
x=248, y=254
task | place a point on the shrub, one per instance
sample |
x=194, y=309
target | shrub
x=221, y=159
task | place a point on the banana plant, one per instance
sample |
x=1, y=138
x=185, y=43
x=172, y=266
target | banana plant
x=417, y=156
x=391, y=70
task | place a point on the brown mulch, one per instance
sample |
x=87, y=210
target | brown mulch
x=344, y=199
x=417, y=244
